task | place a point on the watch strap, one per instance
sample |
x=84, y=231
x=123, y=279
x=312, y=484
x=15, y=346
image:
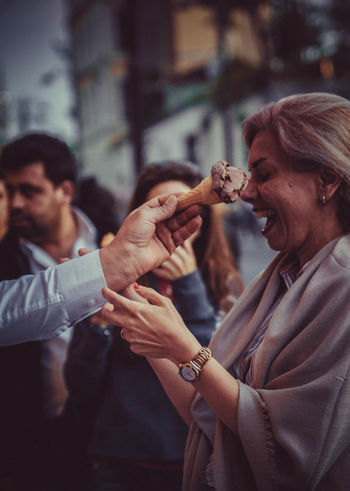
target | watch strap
x=197, y=362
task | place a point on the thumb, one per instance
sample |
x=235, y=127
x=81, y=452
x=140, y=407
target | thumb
x=163, y=207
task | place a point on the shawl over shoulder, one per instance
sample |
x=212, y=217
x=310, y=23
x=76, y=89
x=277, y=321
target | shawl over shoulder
x=294, y=419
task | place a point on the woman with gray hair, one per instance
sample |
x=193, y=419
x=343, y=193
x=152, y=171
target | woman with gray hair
x=268, y=402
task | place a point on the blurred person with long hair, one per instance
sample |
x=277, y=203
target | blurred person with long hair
x=136, y=440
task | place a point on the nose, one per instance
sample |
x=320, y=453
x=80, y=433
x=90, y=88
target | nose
x=250, y=192
x=16, y=200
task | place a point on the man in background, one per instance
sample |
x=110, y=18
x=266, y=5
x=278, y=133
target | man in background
x=40, y=175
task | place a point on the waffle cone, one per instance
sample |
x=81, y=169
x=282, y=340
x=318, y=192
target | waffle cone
x=202, y=194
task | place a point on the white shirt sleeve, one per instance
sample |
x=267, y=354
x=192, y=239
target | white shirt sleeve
x=41, y=306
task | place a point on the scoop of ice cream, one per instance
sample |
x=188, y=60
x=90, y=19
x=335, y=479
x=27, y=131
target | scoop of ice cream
x=228, y=181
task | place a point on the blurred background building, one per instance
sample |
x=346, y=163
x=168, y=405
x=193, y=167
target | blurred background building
x=147, y=77
x=162, y=79
x=173, y=78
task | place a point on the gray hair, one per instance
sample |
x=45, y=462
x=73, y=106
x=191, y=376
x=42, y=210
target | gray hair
x=312, y=128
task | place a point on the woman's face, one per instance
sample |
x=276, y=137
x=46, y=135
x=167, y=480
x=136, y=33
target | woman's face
x=167, y=187
x=289, y=200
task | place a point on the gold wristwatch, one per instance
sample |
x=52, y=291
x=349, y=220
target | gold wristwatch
x=189, y=371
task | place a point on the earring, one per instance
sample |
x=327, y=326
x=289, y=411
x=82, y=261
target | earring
x=324, y=199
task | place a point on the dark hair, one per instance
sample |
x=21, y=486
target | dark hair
x=55, y=155
x=214, y=257
x=166, y=170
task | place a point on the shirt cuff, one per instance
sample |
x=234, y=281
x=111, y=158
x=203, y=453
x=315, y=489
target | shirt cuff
x=81, y=281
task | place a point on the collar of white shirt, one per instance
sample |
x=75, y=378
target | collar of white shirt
x=87, y=237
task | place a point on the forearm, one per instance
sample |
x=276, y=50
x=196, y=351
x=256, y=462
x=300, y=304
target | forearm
x=41, y=306
x=216, y=385
x=221, y=392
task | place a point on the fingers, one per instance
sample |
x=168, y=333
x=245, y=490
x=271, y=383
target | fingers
x=137, y=319
x=181, y=262
x=184, y=217
x=166, y=271
x=181, y=226
x=187, y=245
x=175, y=264
x=181, y=255
x=117, y=300
x=118, y=308
x=150, y=329
x=172, y=267
x=130, y=293
x=162, y=208
x=166, y=237
x=172, y=237
x=112, y=316
x=122, y=304
x=188, y=229
x=150, y=295
x=188, y=256
x=81, y=252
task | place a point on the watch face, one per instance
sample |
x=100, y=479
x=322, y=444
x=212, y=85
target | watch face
x=188, y=374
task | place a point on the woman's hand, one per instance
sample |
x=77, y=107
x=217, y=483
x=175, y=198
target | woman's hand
x=156, y=330
x=128, y=292
x=181, y=262
x=153, y=329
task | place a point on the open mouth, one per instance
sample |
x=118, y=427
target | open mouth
x=270, y=216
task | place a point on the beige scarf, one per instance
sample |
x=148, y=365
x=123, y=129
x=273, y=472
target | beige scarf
x=294, y=420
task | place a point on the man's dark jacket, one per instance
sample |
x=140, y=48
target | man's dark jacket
x=20, y=380
x=35, y=452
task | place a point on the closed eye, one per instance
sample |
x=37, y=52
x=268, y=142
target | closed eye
x=258, y=177
x=264, y=177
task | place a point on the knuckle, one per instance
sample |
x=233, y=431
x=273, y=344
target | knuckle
x=167, y=301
